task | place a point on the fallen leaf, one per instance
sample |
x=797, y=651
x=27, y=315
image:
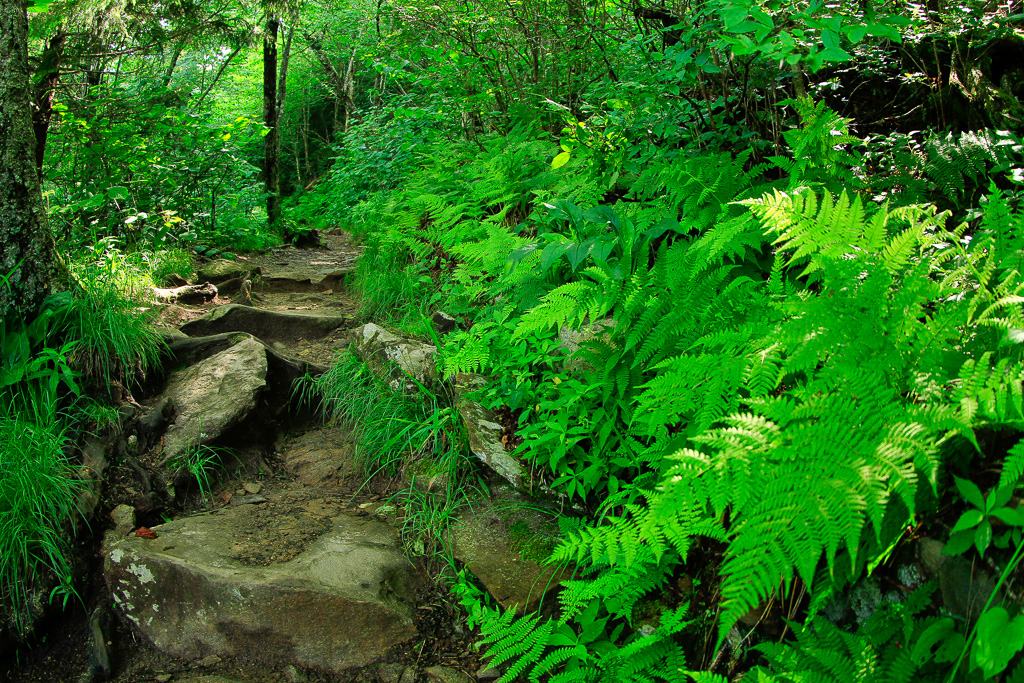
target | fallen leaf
x=143, y=532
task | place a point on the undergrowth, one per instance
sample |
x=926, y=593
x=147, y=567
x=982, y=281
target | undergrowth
x=60, y=373
x=763, y=361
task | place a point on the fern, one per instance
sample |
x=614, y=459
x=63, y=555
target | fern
x=958, y=163
x=819, y=148
x=882, y=650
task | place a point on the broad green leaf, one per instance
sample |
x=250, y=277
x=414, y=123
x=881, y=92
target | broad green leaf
x=983, y=536
x=970, y=491
x=1009, y=516
x=968, y=520
x=560, y=160
x=118, y=193
x=552, y=253
x=998, y=639
x=959, y=543
x=937, y=632
x=856, y=33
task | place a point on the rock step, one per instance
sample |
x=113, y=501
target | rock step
x=265, y=324
x=342, y=603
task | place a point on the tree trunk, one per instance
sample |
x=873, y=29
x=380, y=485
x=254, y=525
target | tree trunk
x=27, y=258
x=272, y=140
x=175, y=56
x=46, y=83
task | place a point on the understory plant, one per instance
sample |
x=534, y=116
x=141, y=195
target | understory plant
x=772, y=366
x=57, y=372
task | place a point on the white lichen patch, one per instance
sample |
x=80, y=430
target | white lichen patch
x=142, y=572
x=116, y=555
x=156, y=608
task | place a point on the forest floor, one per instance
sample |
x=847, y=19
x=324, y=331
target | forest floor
x=291, y=514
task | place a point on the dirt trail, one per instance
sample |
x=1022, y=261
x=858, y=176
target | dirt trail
x=296, y=473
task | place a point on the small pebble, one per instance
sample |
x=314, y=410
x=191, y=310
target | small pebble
x=239, y=492
x=209, y=660
x=163, y=678
x=252, y=487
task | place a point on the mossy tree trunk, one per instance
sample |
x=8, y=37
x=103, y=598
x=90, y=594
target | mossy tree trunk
x=27, y=258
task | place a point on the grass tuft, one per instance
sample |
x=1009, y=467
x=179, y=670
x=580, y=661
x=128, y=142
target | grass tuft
x=388, y=426
x=37, y=500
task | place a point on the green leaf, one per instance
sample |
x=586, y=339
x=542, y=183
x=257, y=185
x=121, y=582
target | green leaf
x=1009, y=516
x=833, y=52
x=855, y=33
x=983, y=537
x=959, y=543
x=118, y=193
x=971, y=493
x=552, y=253
x=968, y=520
x=1000, y=497
x=998, y=639
x=937, y=632
x=560, y=160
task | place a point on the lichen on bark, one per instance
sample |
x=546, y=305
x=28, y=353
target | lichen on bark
x=27, y=258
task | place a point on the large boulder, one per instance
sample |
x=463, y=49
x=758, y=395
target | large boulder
x=214, y=395
x=484, y=432
x=265, y=324
x=396, y=358
x=341, y=603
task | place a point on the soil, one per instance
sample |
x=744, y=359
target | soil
x=287, y=514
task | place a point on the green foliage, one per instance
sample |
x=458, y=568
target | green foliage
x=879, y=651
x=37, y=502
x=173, y=261
x=113, y=341
x=792, y=405
x=961, y=165
x=145, y=171
x=199, y=462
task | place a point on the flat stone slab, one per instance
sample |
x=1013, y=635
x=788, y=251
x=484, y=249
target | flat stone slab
x=503, y=542
x=267, y=325
x=341, y=603
x=214, y=395
x=302, y=280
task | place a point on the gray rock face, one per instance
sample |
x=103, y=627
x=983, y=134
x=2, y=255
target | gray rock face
x=484, y=432
x=503, y=542
x=394, y=356
x=267, y=325
x=214, y=395
x=342, y=603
